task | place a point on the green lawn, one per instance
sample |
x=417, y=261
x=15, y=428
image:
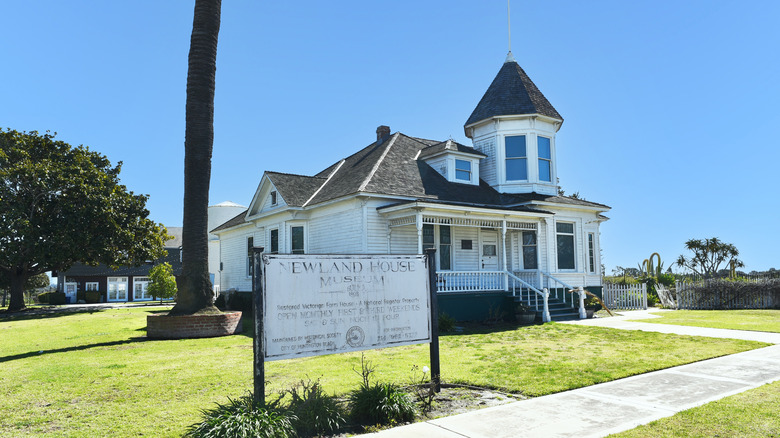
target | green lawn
x=756, y=320
x=95, y=374
x=751, y=414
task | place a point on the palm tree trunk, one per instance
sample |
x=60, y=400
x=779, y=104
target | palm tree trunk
x=194, y=286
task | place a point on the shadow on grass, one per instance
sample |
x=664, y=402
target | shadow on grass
x=46, y=312
x=68, y=349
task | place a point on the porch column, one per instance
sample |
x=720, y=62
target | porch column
x=503, y=251
x=389, y=240
x=418, y=217
x=548, y=224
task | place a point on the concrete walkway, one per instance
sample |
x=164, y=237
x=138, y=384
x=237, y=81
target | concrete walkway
x=599, y=410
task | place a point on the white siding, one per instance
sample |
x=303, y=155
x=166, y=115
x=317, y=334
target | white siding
x=488, y=165
x=336, y=229
x=404, y=240
x=233, y=253
x=267, y=201
x=439, y=164
x=465, y=259
x=377, y=229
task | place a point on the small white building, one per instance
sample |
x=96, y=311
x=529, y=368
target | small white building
x=491, y=210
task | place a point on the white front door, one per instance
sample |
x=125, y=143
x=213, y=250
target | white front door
x=70, y=292
x=488, y=251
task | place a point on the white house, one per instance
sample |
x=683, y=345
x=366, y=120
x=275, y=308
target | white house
x=491, y=210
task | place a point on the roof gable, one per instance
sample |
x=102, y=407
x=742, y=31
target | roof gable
x=512, y=93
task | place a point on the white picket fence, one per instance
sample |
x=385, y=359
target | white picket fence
x=625, y=296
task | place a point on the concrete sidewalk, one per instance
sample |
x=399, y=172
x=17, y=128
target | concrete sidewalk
x=611, y=407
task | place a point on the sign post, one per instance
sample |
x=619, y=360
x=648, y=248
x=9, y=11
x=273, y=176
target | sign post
x=257, y=313
x=430, y=255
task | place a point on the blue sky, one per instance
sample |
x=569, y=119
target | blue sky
x=670, y=108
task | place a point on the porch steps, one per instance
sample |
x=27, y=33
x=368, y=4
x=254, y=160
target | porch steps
x=559, y=311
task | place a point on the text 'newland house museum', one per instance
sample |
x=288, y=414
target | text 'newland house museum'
x=491, y=210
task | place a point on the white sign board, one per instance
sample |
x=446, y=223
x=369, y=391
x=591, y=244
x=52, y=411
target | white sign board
x=317, y=304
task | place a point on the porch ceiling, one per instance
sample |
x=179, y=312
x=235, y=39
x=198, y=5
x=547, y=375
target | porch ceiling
x=462, y=222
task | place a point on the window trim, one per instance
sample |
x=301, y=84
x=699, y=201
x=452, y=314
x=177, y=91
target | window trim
x=271, y=240
x=91, y=283
x=542, y=159
x=250, y=243
x=573, y=235
x=303, y=239
x=437, y=244
x=592, y=253
x=144, y=290
x=468, y=171
x=524, y=158
x=536, y=250
x=274, y=197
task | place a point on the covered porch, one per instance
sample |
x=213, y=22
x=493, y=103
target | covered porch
x=483, y=252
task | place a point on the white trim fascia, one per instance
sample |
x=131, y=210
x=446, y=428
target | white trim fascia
x=548, y=119
x=234, y=227
x=378, y=163
x=566, y=206
x=466, y=155
x=462, y=208
x=341, y=163
x=255, y=197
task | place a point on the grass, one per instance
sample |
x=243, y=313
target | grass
x=756, y=320
x=95, y=374
x=752, y=413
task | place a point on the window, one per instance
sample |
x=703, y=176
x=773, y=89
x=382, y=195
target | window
x=273, y=197
x=140, y=287
x=463, y=170
x=591, y=252
x=545, y=159
x=296, y=240
x=529, y=250
x=117, y=288
x=428, y=237
x=250, y=266
x=445, y=244
x=565, y=239
x=91, y=286
x=516, y=167
x=445, y=247
x=275, y=241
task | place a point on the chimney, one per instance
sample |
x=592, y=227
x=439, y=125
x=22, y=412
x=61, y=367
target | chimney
x=382, y=132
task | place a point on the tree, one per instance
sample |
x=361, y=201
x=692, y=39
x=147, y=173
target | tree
x=708, y=256
x=195, y=289
x=62, y=204
x=163, y=283
x=34, y=282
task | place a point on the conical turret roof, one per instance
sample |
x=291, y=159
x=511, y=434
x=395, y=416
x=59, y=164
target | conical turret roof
x=512, y=93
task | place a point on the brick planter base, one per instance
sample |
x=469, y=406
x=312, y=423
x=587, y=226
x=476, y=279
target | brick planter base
x=192, y=326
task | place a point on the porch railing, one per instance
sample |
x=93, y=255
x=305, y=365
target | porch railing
x=477, y=281
x=544, y=294
x=560, y=288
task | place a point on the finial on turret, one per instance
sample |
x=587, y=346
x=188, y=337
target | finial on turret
x=509, y=57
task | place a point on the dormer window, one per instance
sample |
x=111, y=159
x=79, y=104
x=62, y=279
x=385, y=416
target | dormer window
x=273, y=197
x=516, y=158
x=463, y=170
x=545, y=159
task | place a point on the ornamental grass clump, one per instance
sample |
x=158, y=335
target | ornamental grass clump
x=242, y=418
x=379, y=403
x=314, y=412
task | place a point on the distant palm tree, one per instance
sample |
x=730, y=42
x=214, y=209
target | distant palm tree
x=195, y=289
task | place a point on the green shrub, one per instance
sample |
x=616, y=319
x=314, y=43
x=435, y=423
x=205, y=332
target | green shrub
x=241, y=418
x=81, y=296
x=446, y=323
x=666, y=279
x=315, y=412
x=57, y=298
x=92, y=296
x=44, y=297
x=380, y=403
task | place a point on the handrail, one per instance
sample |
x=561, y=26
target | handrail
x=545, y=294
x=565, y=286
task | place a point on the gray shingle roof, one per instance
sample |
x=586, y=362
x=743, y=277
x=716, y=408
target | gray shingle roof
x=449, y=145
x=512, y=92
x=295, y=189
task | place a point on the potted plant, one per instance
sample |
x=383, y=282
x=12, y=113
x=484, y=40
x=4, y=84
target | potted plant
x=524, y=314
x=591, y=306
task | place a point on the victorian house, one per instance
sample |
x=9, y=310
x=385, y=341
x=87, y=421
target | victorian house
x=492, y=210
